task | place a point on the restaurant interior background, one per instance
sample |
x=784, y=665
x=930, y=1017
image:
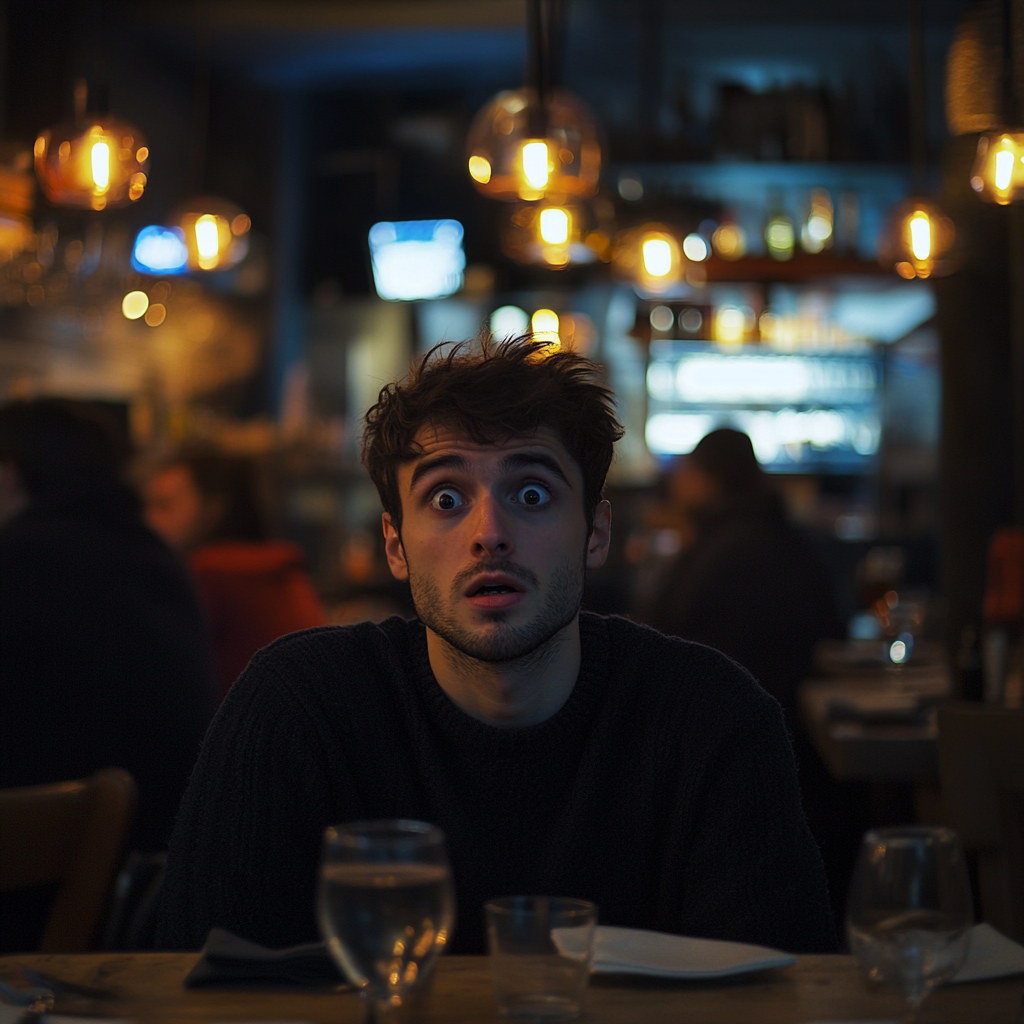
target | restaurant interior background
x=769, y=144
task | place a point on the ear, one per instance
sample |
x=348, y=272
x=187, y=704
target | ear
x=600, y=536
x=393, y=549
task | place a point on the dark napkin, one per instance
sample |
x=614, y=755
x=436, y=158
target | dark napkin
x=233, y=962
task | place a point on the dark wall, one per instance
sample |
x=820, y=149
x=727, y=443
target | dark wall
x=976, y=454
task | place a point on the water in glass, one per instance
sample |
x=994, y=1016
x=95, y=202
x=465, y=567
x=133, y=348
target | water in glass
x=910, y=909
x=386, y=906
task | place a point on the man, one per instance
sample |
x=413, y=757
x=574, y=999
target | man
x=561, y=752
x=104, y=659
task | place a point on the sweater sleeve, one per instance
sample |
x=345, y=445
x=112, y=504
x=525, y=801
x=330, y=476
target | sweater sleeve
x=246, y=846
x=752, y=871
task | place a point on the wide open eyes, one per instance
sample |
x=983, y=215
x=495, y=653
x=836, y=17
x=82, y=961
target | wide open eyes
x=446, y=500
x=533, y=496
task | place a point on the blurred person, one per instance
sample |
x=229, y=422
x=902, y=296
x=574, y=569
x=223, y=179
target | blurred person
x=104, y=656
x=561, y=752
x=747, y=581
x=255, y=589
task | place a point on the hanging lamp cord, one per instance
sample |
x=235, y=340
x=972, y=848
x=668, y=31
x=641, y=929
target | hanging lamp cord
x=918, y=113
x=544, y=20
x=1010, y=113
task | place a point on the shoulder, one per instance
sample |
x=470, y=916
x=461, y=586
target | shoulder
x=333, y=657
x=678, y=671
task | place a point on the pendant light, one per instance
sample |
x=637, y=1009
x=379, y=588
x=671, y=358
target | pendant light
x=94, y=162
x=536, y=142
x=918, y=238
x=214, y=230
x=557, y=236
x=650, y=256
x=998, y=172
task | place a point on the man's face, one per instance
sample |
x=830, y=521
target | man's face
x=174, y=507
x=494, y=540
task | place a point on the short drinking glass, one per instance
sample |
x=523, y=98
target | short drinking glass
x=909, y=912
x=386, y=906
x=541, y=949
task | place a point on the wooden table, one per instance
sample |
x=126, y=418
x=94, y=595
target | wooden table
x=818, y=988
x=856, y=751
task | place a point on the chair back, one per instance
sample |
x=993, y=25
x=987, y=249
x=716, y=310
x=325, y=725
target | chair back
x=981, y=769
x=72, y=834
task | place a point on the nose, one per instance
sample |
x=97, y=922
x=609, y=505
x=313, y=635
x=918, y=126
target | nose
x=491, y=531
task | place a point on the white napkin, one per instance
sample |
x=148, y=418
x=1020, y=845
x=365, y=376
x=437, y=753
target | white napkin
x=991, y=955
x=633, y=951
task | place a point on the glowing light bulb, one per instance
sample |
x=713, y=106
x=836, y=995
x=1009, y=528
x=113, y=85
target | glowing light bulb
x=480, y=169
x=1004, y=169
x=730, y=324
x=921, y=236
x=554, y=225
x=657, y=257
x=544, y=325
x=730, y=241
x=207, y=240
x=134, y=305
x=695, y=248
x=100, y=161
x=535, y=164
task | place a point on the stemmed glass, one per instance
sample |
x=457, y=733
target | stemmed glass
x=910, y=911
x=386, y=906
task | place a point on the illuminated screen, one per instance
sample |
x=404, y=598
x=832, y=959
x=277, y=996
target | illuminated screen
x=417, y=259
x=803, y=412
x=160, y=250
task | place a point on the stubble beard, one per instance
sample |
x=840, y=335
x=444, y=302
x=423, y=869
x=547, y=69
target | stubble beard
x=499, y=641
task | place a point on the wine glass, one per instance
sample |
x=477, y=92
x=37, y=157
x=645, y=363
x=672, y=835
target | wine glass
x=386, y=906
x=909, y=912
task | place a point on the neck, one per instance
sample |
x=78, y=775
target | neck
x=507, y=694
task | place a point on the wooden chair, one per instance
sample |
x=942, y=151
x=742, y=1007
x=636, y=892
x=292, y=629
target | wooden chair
x=72, y=834
x=981, y=768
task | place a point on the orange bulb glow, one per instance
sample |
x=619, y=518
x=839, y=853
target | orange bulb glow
x=998, y=173
x=508, y=160
x=94, y=163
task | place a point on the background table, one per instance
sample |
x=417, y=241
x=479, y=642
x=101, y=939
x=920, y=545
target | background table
x=818, y=988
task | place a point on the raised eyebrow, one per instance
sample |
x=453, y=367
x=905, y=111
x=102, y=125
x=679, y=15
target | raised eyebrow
x=452, y=461
x=520, y=460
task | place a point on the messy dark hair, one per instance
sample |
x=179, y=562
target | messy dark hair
x=60, y=445
x=502, y=390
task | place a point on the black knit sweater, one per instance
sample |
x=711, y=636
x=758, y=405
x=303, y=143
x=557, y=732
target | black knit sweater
x=663, y=790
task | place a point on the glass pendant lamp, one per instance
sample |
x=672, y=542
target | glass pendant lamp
x=536, y=142
x=93, y=162
x=919, y=239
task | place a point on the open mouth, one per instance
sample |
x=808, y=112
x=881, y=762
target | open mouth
x=494, y=589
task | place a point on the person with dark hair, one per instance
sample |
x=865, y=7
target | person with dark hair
x=255, y=589
x=561, y=752
x=749, y=583
x=104, y=658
